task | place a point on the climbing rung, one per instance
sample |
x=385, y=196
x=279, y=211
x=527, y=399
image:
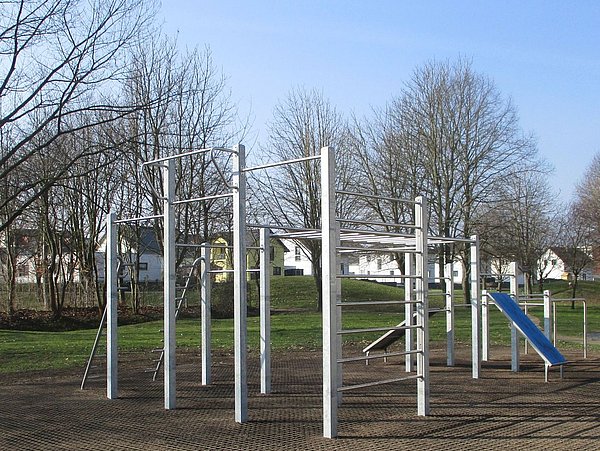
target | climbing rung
x=372, y=384
x=158, y=350
x=376, y=329
x=355, y=303
x=376, y=356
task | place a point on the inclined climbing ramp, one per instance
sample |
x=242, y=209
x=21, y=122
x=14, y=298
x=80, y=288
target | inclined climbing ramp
x=393, y=335
x=525, y=326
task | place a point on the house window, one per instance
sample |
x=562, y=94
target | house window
x=276, y=270
x=297, y=254
x=454, y=273
x=143, y=266
x=391, y=273
x=378, y=264
x=272, y=254
x=23, y=270
x=554, y=262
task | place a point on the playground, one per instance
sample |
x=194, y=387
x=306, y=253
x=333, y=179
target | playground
x=469, y=394
x=500, y=410
x=340, y=372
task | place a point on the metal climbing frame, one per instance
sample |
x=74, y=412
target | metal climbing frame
x=237, y=192
x=336, y=239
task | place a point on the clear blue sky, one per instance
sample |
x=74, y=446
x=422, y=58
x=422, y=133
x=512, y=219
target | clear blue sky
x=544, y=55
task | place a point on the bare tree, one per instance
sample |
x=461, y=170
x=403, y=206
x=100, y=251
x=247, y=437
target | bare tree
x=459, y=139
x=57, y=57
x=188, y=107
x=579, y=241
x=522, y=224
x=388, y=166
x=587, y=203
x=302, y=124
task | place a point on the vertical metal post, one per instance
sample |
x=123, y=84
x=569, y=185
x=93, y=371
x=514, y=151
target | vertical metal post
x=205, y=305
x=111, y=277
x=475, y=308
x=485, y=327
x=169, y=283
x=585, y=340
x=526, y=311
x=514, y=333
x=547, y=314
x=554, y=324
x=408, y=310
x=449, y=289
x=422, y=306
x=329, y=293
x=240, y=301
x=338, y=301
x=265, y=311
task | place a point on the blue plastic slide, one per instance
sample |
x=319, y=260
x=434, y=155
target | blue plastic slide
x=537, y=339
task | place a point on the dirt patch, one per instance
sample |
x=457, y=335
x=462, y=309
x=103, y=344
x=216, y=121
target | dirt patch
x=500, y=410
x=72, y=319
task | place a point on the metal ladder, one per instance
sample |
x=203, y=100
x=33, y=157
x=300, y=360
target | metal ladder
x=94, y=352
x=180, y=300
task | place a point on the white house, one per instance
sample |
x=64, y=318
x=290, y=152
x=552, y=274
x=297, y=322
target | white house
x=150, y=264
x=297, y=263
x=31, y=264
x=559, y=262
x=374, y=265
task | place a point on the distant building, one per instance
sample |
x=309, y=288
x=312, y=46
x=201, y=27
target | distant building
x=32, y=259
x=560, y=262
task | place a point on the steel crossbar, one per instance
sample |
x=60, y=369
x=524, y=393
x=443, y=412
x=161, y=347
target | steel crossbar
x=363, y=358
x=373, y=384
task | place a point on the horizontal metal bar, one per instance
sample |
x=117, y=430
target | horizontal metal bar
x=281, y=227
x=384, y=224
x=376, y=356
x=376, y=329
x=372, y=384
x=373, y=196
x=186, y=154
x=377, y=249
x=281, y=163
x=532, y=304
x=447, y=240
x=199, y=199
x=376, y=276
x=375, y=233
x=569, y=300
x=355, y=303
x=139, y=218
x=227, y=271
x=192, y=245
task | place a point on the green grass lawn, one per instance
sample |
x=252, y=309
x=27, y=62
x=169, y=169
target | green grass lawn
x=296, y=325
